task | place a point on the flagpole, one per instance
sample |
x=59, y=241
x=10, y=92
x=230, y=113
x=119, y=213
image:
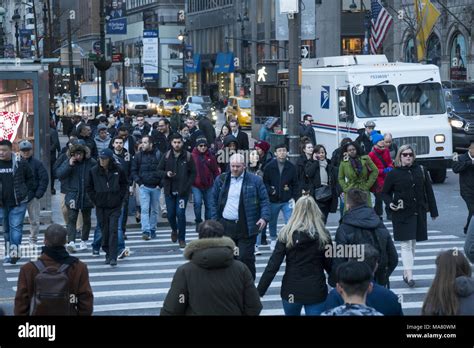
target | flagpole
x=366, y=49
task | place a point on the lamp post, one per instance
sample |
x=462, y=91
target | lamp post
x=2, y=41
x=367, y=25
x=182, y=37
x=139, y=46
x=242, y=19
x=16, y=18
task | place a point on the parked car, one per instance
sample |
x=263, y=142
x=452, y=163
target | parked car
x=240, y=109
x=459, y=96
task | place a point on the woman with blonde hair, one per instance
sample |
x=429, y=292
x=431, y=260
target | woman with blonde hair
x=452, y=290
x=304, y=241
x=408, y=192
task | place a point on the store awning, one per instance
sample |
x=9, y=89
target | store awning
x=196, y=68
x=224, y=63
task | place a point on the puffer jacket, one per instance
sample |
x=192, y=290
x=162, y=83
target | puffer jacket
x=375, y=156
x=74, y=180
x=145, y=168
x=102, y=144
x=212, y=282
x=107, y=189
x=41, y=178
x=23, y=181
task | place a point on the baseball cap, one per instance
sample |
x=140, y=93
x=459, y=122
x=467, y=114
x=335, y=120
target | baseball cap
x=106, y=153
x=369, y=124
x=25, y=145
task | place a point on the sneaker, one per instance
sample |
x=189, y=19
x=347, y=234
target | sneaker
x=164, y=215
x=138, y=217
x=182, y=244
x=95, y=253
x=124, y=253
x=153, y=234
x=174, y=236
x=107, y=259
x=83, y=245
x=257, y=252
x=146, y=236
x=113, y=262
x=272, y=245
x=71, y=247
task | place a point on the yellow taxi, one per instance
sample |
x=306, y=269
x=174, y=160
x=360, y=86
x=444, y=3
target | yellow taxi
x=240, y=109
x=166, y=107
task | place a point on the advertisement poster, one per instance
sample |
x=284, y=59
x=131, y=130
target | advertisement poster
x=26, y=43
x=116, y=12
x=150, y=55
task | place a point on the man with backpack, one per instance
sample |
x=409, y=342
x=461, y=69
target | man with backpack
x=55, y=284
x=178, y=173
x=361, y=225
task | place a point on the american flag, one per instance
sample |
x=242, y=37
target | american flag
x=381, y=22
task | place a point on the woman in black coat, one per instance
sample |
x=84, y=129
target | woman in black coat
x=303, y=241
x=464, y=166
x=322, y=181
x=306, y=156
x=408, y=192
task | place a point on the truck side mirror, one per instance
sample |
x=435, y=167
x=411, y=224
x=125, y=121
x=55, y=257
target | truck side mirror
x=343, y=115
x=449, y=110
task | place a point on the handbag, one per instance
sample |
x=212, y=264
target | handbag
x=323, y=193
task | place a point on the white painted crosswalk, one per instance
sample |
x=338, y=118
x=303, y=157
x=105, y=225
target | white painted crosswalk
x=138, y=286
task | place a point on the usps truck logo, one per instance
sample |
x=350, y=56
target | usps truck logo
x=324, y=97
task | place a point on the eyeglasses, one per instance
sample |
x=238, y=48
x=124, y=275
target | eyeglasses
x=410, y=154
x=202, y=146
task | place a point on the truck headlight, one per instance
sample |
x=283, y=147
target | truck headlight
x=244, y=114
x=439, y=138
x=456, y=123
x=193, y=114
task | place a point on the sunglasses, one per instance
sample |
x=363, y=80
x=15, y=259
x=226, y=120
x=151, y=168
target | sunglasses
x=410, y=154
x=202, y=146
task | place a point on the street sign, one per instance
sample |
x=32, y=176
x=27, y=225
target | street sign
x=305, y=49
x=267, y=74
x=117, y=58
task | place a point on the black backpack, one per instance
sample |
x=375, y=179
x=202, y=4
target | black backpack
x=51, y=291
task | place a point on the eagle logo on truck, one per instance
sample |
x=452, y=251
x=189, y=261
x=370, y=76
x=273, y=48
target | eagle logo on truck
x=324, y=97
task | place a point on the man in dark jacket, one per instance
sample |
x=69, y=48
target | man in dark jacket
x=178, y=173
x=281, y=180
x=16, y=190
x=55, y=150
x=162, y=136
x=364, y=140
x=219, y=284
x=361, y=225
x=85, y=133
x=464, y=166
x=128, y=140
x=240, y=202
x=106, y=188
x=146, y=176
x=41, y=181
x=242, y=137
x=76, y=122
x=74, y=174
x=142, y=126
x=207, y=128
x=307, y=130
x=194, y=133
x=54, y=255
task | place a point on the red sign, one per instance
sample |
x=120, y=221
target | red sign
x=9, y=123
x=117, y=58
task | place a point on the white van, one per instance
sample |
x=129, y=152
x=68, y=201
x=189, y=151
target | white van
x=405, y=99
x=137, y=101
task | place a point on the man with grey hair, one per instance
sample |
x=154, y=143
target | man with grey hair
x=240, y=202
x=390, y=145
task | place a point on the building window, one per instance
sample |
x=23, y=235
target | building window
x=355, y=5
x=433, y=50
x=458, y=69
x=352, y=45
x=410, y=52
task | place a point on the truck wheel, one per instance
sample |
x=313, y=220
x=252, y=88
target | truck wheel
x=438, y=175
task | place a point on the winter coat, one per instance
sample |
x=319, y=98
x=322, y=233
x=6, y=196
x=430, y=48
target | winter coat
x=145, y=168
x=145, y=130
x=469, y=243
x=61, y=159
x=194, y=135
x=385, y=155
x=336, y=159
x=161, y=141
x=412, y=185
x=308, y=131
x=464, y=166
x=23, y=181
x=281, y=187
x=304, y=181
x=124, y=161
x=267, y=158
x=212, y=282
x=363, y=140
x=255, y=198
x=465, y=292
x=102, y=144
x=131, y=145
x=90, y=143
x=75, y=179
x=363, y=182
x=107, y=189
x=304, y=280
x=206, y=169
x=351, y=231
x=41, y=178
x=242, y=140
x=79, y=286
x=312, y=172
x=208, y=130
x=185, y=171
x=55, y=145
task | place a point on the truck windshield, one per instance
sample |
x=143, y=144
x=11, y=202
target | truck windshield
x=377, y=101
x=200, y=100
x=90, y=99
x=422, y=99
x=463, y=100
x=136, y=98
x=245, y=103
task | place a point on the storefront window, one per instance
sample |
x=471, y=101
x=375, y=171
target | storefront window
x=352, y=45
x=433, y=50
x=410, y=51
x=458, y=58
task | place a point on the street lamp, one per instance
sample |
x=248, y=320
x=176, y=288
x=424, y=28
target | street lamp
x=367, y=24
x=2, y=42
x=182, y=37
x=138, y=47
x=242, y=19
x=16, y=18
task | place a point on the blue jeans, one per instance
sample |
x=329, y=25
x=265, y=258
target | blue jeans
x=202, y=196
x=150, y=205
x=176, y=207
x=96, y=244
x=275, y=211
x=13, y=227
x=294, y=309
